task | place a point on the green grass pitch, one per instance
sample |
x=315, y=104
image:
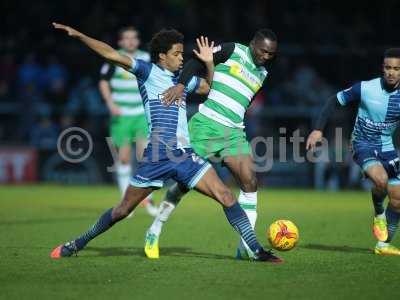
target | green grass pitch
x=332, y=261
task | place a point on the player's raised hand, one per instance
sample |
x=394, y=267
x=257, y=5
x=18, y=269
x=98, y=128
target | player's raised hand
x=71, y=31
x=205, y=52
x=314, y=137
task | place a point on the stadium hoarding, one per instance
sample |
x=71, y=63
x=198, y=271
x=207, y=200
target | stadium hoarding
x=18, y=165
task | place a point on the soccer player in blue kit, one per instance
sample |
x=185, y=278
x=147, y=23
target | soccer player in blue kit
x=372, y=143
x=168, y=154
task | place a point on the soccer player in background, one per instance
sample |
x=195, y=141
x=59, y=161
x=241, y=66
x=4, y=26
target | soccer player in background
x=217, y=130
x=168, y=154
x=119, y=88
x=372, y=143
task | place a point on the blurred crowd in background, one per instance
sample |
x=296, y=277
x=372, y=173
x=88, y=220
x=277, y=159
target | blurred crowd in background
x=48, y=82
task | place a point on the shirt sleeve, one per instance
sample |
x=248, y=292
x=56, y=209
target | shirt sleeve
x=326, y=112
x=352, y=94
x=222, y=52
x=107, y=71
x=193, y=84
x=140, y=68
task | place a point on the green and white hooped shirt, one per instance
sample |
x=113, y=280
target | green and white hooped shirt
x=235, y=82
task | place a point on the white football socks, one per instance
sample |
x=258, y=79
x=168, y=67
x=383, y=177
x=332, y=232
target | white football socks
x=123, y=176
x=382, y=244
x=381, y=216
x=248, y=201
x=151, y=209
x=170, y=201
x=164, y=211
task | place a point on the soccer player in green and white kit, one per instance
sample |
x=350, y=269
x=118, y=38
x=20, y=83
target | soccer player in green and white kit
x=120, y=90
x=217, y=130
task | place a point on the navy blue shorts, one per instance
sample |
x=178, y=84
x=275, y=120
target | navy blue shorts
x=186, y=168
x=368, y=156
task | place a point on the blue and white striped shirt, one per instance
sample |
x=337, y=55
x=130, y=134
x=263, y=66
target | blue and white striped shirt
x=378, y=113
x=168, y=128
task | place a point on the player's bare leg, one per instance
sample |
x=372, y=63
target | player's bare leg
x=242, y=168
x=133, y=196
x=378, y=175
x=211, y=185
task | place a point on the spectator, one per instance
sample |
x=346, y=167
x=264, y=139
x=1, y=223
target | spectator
x=54, y=80
x=30, y=73
x=44, y=133
x=305, y=87
x=8, y=70
x=85, y=98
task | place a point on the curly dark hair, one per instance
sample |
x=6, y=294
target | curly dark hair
x=162, y=41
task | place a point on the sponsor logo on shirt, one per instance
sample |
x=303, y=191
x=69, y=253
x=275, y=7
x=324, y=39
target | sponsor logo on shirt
x=239, y=72
x=380, y=125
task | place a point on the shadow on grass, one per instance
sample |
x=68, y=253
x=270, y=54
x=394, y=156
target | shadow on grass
x=335, y=248
x=164, y=251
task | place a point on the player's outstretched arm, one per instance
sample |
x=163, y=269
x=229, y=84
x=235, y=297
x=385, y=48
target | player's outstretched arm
x=344, y=97
x=323, y=117
x=99, y=47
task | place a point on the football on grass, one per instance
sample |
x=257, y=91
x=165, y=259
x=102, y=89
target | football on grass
x=283, y=235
